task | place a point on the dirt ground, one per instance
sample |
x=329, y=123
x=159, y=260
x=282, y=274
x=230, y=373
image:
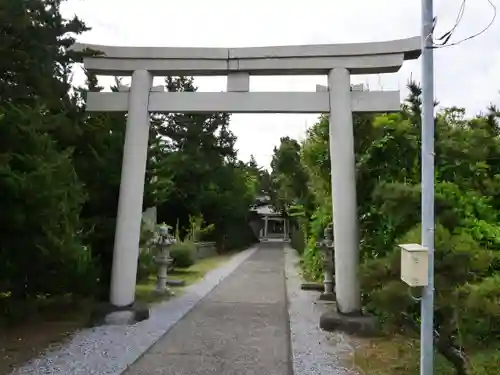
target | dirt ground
x=22, y=342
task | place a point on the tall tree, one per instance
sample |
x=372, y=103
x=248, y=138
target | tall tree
x=194, y=168
x=98, y=160
x=36, y=66
x=41, y=250
x=288, y=176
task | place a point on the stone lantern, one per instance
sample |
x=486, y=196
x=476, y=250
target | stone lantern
x=326, y=246
x=163, y=241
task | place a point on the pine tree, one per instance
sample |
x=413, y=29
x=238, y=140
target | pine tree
x=197, y=172
x=41, y=252
x=98, y=160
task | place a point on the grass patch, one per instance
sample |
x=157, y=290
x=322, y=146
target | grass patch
x=190, y=275
x=399, y=355
x=144, y=292
x=198, y=270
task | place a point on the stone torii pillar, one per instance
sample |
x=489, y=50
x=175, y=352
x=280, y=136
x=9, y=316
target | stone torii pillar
x=128, y=220
x=343, y=179
x=343, y=175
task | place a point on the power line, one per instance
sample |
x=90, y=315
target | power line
x=445, y=38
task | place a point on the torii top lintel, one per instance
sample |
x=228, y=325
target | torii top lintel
x=359, y=58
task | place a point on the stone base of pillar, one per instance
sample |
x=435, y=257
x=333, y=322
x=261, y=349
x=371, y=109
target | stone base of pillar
x=363, y=325
x=108, y=314
x=327, y=297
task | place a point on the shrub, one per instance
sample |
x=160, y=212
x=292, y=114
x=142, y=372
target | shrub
x=146, y=236
x=41, y=252
x=146, y=265
x=312, y=259
x=466, y=299
x=183, y=254
x=298, y=240
x=299, y=227
x=479, y=304
x=197, y=230
x=237, y=236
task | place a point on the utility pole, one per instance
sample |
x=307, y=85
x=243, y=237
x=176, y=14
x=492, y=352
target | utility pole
x=427, y=307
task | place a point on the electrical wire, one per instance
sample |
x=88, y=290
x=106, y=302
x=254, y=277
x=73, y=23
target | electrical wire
x=447, y=36
x=416, y=299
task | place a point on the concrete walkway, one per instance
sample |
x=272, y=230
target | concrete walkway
x=240, y=328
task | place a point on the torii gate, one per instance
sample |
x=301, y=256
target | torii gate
x=338, y=62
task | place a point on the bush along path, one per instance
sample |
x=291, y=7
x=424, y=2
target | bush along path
x=467, y=235
x=166, y=260
x=179, y=278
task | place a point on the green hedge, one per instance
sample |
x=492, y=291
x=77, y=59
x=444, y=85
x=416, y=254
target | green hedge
x=183, y=254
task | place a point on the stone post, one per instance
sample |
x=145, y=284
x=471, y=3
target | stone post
x=347, y=286
x=128, y=222
x=163, y=243
x=326, y=245
x=266, y=220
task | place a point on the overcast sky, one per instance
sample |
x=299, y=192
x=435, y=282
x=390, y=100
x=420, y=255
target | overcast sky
x=467, y=75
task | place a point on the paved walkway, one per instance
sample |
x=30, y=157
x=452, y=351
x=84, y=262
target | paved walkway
x=240, y=328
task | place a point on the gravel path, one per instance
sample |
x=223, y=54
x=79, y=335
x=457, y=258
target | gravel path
x=239, y=326
x=110, y=349
x=315, y=352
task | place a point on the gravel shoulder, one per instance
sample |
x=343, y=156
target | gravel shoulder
x=315, y=352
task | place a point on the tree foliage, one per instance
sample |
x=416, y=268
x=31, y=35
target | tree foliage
x=60, y=167
x=387, y=150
